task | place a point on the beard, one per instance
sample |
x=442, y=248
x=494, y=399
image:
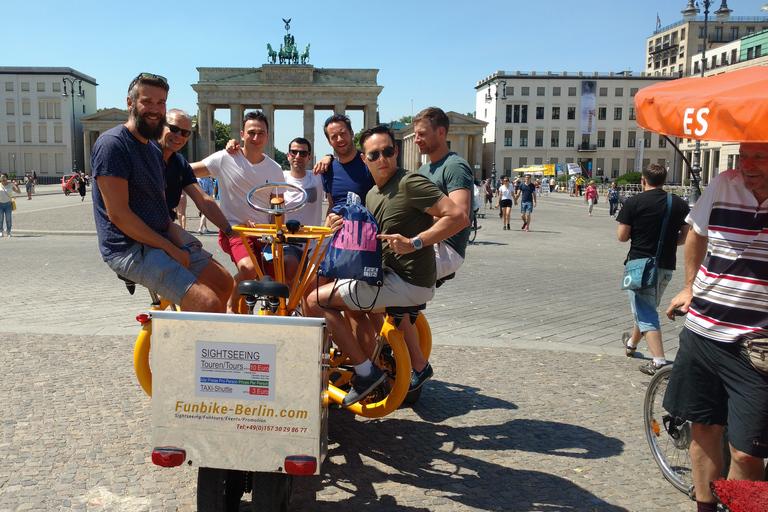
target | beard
x=144, y=128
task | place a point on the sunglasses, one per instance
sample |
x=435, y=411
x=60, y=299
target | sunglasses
x=336, y=117
x=302, y=153
x=386, y=152
x=176, y=129
x=150, y=76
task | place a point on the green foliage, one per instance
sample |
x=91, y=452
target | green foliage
x=282, y=160
x=630, y=178
x=687, y=183
x=356, y=140
x=405, y=120
x=471, y=114
x=222, y=134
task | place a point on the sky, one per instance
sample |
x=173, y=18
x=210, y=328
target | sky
x=428, y=53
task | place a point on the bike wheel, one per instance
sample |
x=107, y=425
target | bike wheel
x=219, y=490
x=271, y=492
x=668, y=437
x=473, y=229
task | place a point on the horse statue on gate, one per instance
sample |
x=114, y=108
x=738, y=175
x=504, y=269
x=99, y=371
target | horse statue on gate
x=281, y=54
x=305, y=55
x=271, y=54
x=294, y=54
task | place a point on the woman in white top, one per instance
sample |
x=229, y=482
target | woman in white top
x=505, y=195
x=6, y=206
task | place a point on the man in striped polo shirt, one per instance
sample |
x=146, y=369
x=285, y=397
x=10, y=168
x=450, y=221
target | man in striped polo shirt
x=726, y=298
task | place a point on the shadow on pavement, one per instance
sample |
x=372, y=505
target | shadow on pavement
x=454, y=400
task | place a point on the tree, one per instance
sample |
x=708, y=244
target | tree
x=405, y=120
x=222, y=132
x=282, y=159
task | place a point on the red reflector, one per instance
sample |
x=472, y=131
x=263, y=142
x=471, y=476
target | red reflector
x=142, y=318
x=300, y=465
x=168, y=457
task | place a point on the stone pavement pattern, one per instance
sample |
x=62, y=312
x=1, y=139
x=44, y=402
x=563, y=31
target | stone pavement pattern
x=533, y=405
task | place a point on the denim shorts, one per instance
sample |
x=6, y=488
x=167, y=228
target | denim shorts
x=155, y=270
x=645, y=302
x=713, y=383
x=526, y=207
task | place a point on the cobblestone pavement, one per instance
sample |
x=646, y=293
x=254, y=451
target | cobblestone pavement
x=533, y=405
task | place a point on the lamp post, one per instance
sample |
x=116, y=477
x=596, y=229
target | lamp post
x=689, y=14
x=503, y=83
x=80, y=94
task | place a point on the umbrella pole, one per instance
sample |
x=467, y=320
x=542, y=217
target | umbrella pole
x=695, y=170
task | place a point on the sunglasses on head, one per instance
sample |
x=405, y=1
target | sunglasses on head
x=300, y=152
x=176, y=129
x=336, y=117
x=151, y=76
x=372, y=156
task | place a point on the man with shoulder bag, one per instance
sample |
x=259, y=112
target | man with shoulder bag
x=654, y=222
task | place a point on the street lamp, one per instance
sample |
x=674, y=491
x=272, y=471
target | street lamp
x=80, y=94
x=723, y=13
x=503, y=84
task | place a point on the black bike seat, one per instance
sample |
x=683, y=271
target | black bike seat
x=264, y=288
x=404, y=310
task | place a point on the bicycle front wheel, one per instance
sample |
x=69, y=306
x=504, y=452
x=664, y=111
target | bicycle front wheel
x=668, y=437
x=473, y=229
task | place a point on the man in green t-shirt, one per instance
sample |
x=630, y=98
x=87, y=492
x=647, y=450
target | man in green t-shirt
x=453, y=177
x=412, y=214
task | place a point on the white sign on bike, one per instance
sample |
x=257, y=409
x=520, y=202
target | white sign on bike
x=242, y=371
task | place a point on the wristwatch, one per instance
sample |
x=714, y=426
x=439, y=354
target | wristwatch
x=417, y=243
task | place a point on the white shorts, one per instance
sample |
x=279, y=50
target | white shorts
x=447, y=260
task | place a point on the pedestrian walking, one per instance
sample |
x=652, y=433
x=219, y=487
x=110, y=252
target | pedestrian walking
x=7, y=203
x=527, y=194
x=28, y=184
x=591, y=196
x=81, y=186
x=489, y=193
x=613, y=198
x=504, y=197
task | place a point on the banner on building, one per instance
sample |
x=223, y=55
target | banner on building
x=574, y=168
x=639, y=160
x=588, y=107
x=560, y=169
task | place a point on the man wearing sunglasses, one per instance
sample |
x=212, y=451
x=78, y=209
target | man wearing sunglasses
x=238, y=173
x=412, y=214
x=347, y=172
x=136, y=236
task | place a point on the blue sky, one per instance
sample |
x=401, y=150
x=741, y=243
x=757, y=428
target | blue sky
x=428, y=53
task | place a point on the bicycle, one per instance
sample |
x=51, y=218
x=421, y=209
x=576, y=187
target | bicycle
x=473, y=226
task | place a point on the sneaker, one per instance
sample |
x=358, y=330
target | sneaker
x=362, y=386
x=509, y=228
x=1, y=234
x=630, y=352
x=650, y=368
x=524, y=224
x=419, y=378
x=527, y=229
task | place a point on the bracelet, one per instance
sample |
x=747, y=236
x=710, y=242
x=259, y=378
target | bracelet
x=185, y=248
x=229, y=229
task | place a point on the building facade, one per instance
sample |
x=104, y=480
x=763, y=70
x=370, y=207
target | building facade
x=670, y=50
x=39, y=112
x=547, y=118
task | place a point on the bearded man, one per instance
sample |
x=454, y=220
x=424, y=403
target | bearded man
x=136, y=237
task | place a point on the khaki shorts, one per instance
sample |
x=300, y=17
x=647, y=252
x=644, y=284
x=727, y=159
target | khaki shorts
x=359, y=295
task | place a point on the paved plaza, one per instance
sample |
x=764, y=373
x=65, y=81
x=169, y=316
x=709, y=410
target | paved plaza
x=533, y=406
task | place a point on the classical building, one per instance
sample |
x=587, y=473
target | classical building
x=465, y=138
x=40, y=109
x=275, y=86
x=550, y=118
x=670, y=50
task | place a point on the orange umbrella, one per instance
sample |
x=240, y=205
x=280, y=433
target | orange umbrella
x=730, y=107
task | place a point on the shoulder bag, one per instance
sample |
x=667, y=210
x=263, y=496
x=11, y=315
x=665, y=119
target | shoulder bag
x=13, y=201
x=642, y=273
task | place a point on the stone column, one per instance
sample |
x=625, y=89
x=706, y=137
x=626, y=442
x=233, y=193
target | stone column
x=340, y=109
x=462, y=150
x=309, y=127
x=269, y=110
x=205, y=125
x=235, y=121
x=369, y=116
x=87, y=151
x=479, y=151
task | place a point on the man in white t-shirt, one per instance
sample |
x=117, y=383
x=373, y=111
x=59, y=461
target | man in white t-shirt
x=237, y=175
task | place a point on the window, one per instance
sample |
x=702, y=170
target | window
x=42, y=133
x=553, y=161
x=25, y=86
x=523, y=138
x=539, y=141
x=750, y=30
x=507, y=137
x=540, y=91
x=569, y=135
x=617, y=114
x=40, y=86
x=555, y=91
x=44, y=163
x=633, y=91
x=718, y=34
x=555, y=112
x=520, y=114
x=523, y=161
x=509, y=113
x=750, y=53
x=526, y=91
x=571, y=112
x=59, y=158
x=56, y=87
x=601, y=139
x=11, y=131
x=620, y=90
x=49, y=109
x=10, y=108
x=571, y=91
x=510, y=91
x=617, y=139
x=615, y=167
x=647, y=139
x=8, y=86
x=631, y=137
x=57, y=134
x=539, y=112
x=601, y=113
x=662, y=142
x=600, y=166
x=507, y=165
x=555, y=139
x=682, y=34
x=631, y=113
x=630, y=164
x=701, y=32
x=538, y=160
x=603, y=91
x=25, y=108
x=758, y=51
x=27, y=131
